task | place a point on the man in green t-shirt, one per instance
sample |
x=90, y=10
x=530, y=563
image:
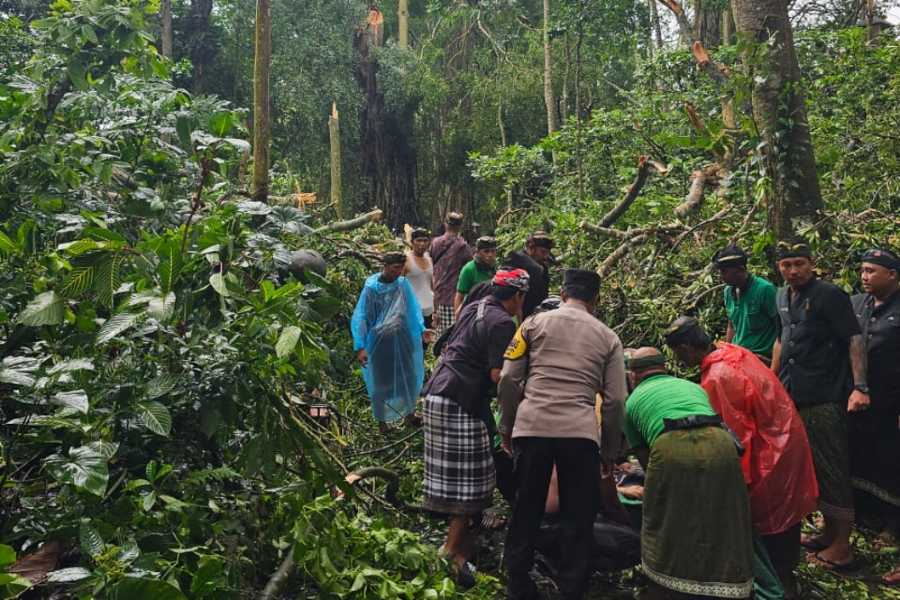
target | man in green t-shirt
x=753, y=321
x=696, y=535
x=480, y=268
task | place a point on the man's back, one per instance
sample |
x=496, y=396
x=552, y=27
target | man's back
x=448, y=253
x=571, y=356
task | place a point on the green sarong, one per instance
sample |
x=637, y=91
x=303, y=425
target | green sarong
x=826, y=428
x=696, y=535
x=766, y=585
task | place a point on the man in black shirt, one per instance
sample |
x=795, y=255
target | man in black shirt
x=459, y=464
x=819, y=344
x=536, y=260
x=875, y=433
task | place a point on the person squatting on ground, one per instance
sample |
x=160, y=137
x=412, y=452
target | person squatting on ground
x=536, y=260
x=696, y=535
x=875, y=433
x=554, y=367
x=387, y=329
x=449, y=252
x=459, y=424
x=777, y=463
x=753, y=320
x=419, y=270
x=480, y=269
x=820, y=341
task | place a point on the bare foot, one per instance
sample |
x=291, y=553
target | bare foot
x=814, y=542
x=892, y=578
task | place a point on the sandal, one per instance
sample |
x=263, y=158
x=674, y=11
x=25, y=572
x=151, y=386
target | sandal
x=892, y=578
x=841, y=568
x=813, y=543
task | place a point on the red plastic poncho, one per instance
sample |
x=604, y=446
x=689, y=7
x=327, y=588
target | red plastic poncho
x=777, y=463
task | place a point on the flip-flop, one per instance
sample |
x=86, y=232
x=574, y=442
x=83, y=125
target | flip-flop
x=829, y=565
x=891, y=579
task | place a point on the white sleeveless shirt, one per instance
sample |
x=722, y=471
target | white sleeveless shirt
x=420, y=279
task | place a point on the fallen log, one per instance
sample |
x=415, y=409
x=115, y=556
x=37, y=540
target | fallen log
x=699, y=180
x=620, y=253
x=370, y=217
x=631, y=194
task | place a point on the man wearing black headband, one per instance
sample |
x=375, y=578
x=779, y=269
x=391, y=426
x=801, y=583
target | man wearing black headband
x=536, y=260
x=875, y=433
x=556, y=364
x=821, y=360
x=481, y=268
x=387, y=329
x=750, y=303
x=696, y=532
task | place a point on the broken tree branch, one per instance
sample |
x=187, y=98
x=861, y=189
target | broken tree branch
x=369, y=217
x=279, y=577
x=699, y=180
x=609, y=232
x=631, y=194
x=684, y=25
x=620, y=253
x=718, y=72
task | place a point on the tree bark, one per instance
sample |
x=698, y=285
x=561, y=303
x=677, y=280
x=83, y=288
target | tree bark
x=872, y=29
x=165, y=27
x=334, y=133
x=707, y=23
x=403, y=21
x=261, y=65
x=549, y=98
x=200, y=41
x=654, y=24
x=778, y=99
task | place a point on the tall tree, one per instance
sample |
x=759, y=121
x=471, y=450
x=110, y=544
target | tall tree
x=261, y=63
x=780, y=113
x=549, y=97
x=165, y=18
x=708, y=22
x=200, y=41
x=403, y=23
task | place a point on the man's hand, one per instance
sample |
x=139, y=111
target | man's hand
x=429, y=335
x=363, y=357
x=858, y=401
x=506, y=443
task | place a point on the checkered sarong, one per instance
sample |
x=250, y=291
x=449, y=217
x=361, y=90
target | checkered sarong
x=446, y=316
x=459, y=467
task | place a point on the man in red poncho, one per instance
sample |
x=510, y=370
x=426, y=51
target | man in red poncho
x=777, y=462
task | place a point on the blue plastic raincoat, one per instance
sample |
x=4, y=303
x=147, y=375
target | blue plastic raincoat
x=388, y=323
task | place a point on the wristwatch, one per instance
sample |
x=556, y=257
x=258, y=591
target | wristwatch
x=862, y=387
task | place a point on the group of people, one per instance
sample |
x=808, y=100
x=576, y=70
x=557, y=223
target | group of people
x=797, y=410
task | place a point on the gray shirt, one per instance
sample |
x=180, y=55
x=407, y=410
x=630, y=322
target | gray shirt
x=556, y=364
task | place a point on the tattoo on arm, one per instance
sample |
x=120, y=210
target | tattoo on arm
x=858, y=359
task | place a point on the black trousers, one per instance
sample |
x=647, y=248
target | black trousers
x=577, y=471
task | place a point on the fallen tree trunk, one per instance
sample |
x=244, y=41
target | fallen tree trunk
x=620, y=253
x=370, y=217
x=631, y=195
x=279, y=578
x=699, y=179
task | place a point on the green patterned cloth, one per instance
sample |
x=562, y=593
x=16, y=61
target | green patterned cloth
x=696, y=536
x=826, y=427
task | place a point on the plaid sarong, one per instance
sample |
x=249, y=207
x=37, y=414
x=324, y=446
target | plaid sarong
x=447, y=318
x=459, y=467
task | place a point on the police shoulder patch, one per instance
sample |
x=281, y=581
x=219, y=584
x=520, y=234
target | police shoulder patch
x=517, y=346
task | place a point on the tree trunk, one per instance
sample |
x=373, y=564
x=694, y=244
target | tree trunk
x=202, y=49
x=165, y=27
x=388, y=160
x=654, y=24
x=778, y=99
x=549, y=98
x=872, y=29
x=727, y=26
x=707, y=23
x=334, y=133
x=261, y=64
x=403, y=20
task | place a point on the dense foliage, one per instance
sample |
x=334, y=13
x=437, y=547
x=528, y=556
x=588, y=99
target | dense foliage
x=158, y=358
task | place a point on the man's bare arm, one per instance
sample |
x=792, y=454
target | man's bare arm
x=457, y=303
x=729, y=333
x=859, y=363
x=776, y=356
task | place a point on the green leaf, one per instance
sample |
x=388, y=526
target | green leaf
x=287, y=341
x=162, y=308
x=220, y=123
x=69, y=575
x=115, y=325
x=155, y=417
x=90, y=540
x=76, y=399
x=209, y=578
x=78, y=75
x=73, y=364
x=161, y=385
x=82, y=246
x=109, y=278
x=7, y=555
x=184, y=125
x=46, y=309
x=138, y=588
x=217, y=281
x=7, y=246
x=79, y=281
x=85, y=468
